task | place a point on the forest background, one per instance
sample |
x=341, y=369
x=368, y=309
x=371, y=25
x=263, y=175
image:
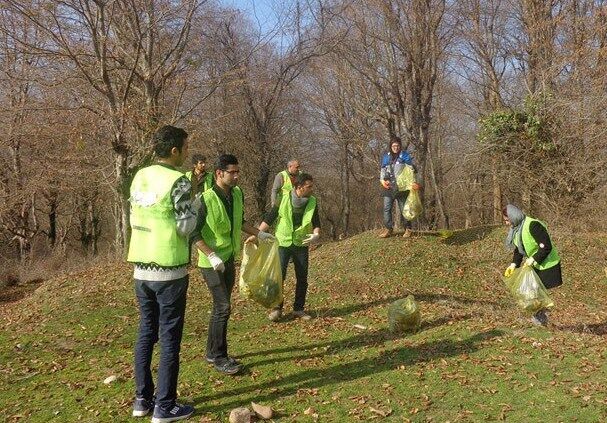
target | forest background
x=497, y=100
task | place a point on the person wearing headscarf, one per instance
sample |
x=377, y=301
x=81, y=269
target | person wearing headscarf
x=528, y=239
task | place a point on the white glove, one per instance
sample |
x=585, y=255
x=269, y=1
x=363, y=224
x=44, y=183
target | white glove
x=530, y=262
x=311, y=239
x=264, y=236
x=216, y=262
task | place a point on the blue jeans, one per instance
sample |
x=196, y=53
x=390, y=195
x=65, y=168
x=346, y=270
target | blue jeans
x=162, y=312
x=389, y=198
x=299, y=255
x=220, y=286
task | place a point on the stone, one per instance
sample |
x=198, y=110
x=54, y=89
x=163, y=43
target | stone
x=110, y=379
x=240, y=415
x=262, y=411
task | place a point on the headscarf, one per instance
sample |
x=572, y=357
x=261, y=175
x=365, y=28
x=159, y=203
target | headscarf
x=516, y=218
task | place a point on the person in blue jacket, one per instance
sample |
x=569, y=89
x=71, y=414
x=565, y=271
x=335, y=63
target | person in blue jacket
x=392, y=164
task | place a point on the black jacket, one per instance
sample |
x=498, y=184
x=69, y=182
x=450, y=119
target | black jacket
x=551, y=277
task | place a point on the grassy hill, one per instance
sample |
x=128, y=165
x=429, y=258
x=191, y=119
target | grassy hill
x=476, y=358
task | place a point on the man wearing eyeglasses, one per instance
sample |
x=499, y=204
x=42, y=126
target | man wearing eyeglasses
x=217, y=238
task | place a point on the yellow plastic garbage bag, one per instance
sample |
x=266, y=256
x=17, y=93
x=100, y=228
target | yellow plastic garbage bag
x=404, y=315
x=528, y=290
x=260, y=274
x=413, y=206
x=405, y=178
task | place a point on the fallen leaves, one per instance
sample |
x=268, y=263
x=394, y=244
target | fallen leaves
x=382, y=413
x=342, y=366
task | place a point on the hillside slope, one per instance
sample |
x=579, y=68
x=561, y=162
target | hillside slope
x=476, y=358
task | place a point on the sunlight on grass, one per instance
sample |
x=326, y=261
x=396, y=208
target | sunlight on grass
x=475, y=358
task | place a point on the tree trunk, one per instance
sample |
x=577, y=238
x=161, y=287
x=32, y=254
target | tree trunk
x=22, y=236
x=438, y=195
x=122, y=225
x=345, y=190
x=52, y=223
x=422, y=146
x=497, y=190
x=261, y=185
x=93, y=220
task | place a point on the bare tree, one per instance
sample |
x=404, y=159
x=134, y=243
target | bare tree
x=486, y=55
x=127, y=52
x=260, y=87
x=19, y=82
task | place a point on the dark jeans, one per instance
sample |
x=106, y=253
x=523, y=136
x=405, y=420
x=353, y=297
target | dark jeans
x=300, y=262
x=162, y=310
x=220, y=285
x=389, y=198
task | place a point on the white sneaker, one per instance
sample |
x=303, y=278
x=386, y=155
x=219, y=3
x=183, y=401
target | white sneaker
x=275, y=315
x=300, y=314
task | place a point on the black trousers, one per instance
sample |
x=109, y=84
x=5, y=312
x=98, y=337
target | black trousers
x=299, y=256
x=220, y=286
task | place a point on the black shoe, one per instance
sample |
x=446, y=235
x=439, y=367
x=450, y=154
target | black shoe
x=540, y=318
x=228, y=367
x=175, y=413
x=230, y=359
x=142, y=407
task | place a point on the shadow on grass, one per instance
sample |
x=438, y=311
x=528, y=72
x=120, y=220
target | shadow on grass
x=466, y=236
x=599, y=329
x=426, y=325
x=431, y=298
x=324, y=313
x=419, y=296
x=346, y=372
x=351, y=309
x=364, y=339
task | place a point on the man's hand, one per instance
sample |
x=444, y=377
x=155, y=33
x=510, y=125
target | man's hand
x=311, y=239
x=216, y=262
x=250, y=239
x=509, y=270
x=385, y=184
x=530, y=262
x=415, y=186
x=264, y=236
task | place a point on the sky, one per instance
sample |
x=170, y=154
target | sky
x=260, y=11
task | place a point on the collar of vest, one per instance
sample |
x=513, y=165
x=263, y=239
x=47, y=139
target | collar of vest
x=168, y=166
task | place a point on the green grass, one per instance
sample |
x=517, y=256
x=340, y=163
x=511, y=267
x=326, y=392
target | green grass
x=476, y=358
